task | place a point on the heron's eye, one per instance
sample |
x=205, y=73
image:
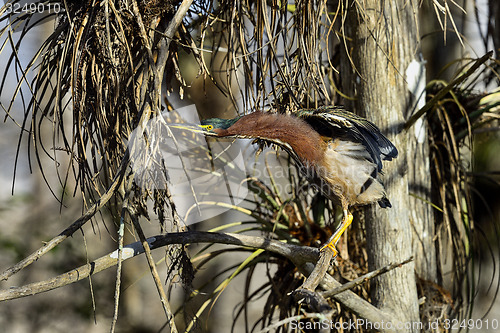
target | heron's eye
x=209, y=127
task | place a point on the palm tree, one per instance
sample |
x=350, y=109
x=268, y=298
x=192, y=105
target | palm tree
x=113, y=69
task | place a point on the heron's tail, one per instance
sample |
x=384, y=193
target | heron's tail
x=384, y=203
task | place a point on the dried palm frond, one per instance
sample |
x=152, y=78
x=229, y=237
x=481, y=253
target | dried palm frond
x=454, y=118
x=94, y=80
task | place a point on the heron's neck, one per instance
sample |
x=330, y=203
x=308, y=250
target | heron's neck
x=300, y=136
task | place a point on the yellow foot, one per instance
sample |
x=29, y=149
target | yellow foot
x=346, y=222
x=331, y=246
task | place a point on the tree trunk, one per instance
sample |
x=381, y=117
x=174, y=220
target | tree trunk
x=495, y=10
x=381, y=70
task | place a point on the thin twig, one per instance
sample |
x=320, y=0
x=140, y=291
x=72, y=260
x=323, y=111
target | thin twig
x=363, y=279
x=121, y=232
x=154, y=272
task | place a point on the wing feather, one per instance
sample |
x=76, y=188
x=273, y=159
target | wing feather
x=358, y=128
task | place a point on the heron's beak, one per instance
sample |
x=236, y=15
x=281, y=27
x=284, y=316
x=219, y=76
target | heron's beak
x=203, y=129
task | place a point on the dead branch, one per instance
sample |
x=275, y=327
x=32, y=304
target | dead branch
x=363, y=279
x=303, y=257
x=299, y=254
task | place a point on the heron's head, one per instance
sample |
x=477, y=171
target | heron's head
x=217, y=125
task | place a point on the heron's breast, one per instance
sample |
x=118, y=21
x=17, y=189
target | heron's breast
x=348, y=169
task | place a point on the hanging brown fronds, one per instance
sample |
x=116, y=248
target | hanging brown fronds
x=454, y=118
x=103, y=72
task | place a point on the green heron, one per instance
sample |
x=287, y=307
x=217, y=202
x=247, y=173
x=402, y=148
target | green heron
x=340, y=152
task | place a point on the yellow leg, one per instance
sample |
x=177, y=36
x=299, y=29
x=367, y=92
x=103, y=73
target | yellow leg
x=343, y=227
x=346, y=222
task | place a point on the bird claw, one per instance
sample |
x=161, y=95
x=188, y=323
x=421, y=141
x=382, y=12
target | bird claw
x=331, y=246
x=336, y=237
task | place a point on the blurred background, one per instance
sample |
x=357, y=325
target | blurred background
x=30, y=213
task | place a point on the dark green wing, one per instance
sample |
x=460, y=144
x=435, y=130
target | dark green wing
x=338, y=122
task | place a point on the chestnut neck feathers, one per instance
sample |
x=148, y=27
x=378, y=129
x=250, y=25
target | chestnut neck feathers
x=302, y=138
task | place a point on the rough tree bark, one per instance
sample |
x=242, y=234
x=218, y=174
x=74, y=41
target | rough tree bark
x=380, y=68
x=495, y=9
